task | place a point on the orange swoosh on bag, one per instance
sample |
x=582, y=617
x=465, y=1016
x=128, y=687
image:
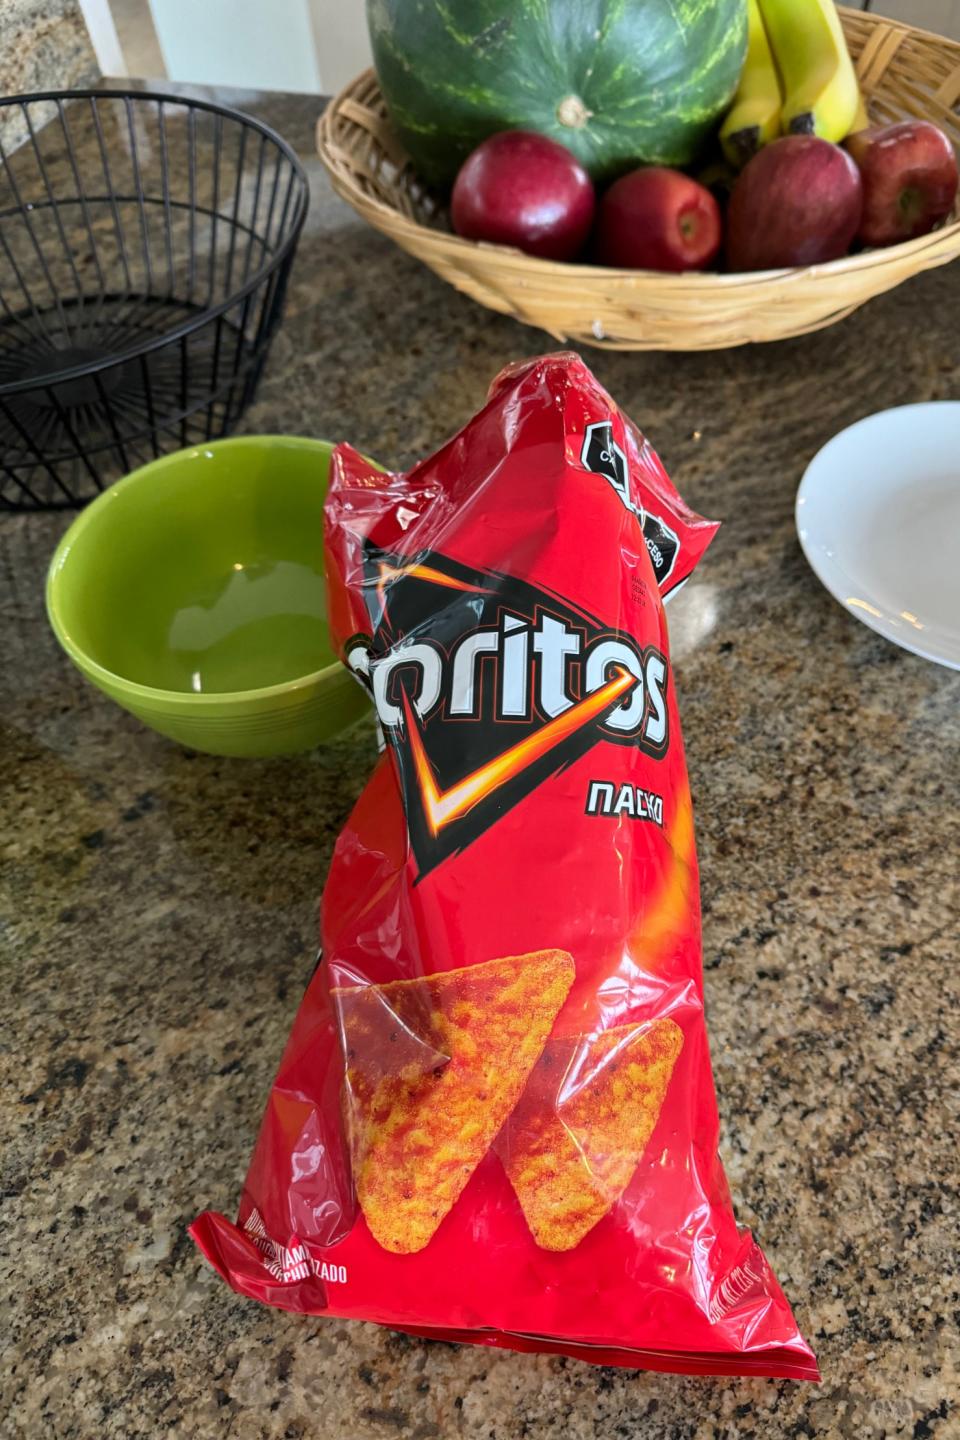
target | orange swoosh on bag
x=442, y=806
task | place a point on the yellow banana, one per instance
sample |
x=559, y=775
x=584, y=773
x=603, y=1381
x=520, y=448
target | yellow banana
x=754, y=117
x=861, y=120
x=819, y=81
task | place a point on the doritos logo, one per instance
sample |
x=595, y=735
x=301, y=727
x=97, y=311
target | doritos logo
x=486, y=685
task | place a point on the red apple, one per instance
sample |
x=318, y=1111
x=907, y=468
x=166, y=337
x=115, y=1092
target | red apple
x=524, y=189
x=797, y=202
x=909, y=174
x=657, y=219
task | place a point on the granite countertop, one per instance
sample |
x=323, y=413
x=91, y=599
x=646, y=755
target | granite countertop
x=158, y=915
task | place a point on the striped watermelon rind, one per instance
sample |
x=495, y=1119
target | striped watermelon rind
x=638, y=81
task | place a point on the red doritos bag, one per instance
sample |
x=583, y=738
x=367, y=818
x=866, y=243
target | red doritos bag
x=495, y=1120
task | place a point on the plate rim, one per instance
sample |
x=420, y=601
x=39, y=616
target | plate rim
x=880, y=625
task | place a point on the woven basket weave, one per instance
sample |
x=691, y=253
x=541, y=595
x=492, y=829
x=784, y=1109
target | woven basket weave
x=904, y=73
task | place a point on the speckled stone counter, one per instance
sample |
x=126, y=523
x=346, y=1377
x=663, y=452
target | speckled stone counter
x=45, y=47
x=158, y=927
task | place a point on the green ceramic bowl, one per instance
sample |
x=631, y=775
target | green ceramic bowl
x=192, y=593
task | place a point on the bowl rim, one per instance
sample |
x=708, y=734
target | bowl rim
x=134, y=689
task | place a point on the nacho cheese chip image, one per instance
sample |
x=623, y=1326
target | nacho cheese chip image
x=433, y=1068
x=579, y=1132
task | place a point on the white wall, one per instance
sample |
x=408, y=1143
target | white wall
x=98, y=18
x=302, y=45
x=313, y=46
x=940, y=16
x=245, y=43
x=343, y=45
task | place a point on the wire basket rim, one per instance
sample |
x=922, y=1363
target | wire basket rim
x=210, y=312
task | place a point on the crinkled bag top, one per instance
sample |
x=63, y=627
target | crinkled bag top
x=495, y=1118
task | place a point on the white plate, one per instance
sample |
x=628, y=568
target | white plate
x=878, y=515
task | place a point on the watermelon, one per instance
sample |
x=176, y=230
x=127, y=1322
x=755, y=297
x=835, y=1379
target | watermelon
x=619, y=82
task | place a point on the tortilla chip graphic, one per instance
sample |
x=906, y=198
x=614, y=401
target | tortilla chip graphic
x=433, y=1068
x=578, y=1134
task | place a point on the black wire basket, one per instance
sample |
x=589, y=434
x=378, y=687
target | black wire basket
x=145, y=245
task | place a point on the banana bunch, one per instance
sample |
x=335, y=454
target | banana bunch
x=798, y=78
x=820, y=87
x=754, y=117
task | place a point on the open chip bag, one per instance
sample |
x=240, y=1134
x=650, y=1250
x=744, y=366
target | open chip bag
x=495, y=1120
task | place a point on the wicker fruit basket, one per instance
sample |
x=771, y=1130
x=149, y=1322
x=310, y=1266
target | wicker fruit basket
x=904, y=73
